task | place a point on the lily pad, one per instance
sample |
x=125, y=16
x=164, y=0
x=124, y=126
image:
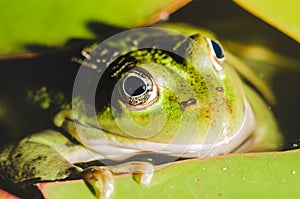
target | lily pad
x=52, y=23
x=255, y=175
x=281, y=14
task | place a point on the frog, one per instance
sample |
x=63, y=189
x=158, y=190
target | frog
x=148, y=90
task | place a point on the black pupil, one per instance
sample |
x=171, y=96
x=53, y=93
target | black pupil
x=217, y=49
x=134, y=86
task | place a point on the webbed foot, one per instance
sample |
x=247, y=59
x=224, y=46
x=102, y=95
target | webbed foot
x=101, y=177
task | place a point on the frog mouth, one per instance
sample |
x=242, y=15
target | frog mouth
x=106, y=144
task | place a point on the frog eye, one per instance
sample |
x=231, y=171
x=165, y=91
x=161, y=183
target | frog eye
x=216, y=53
x=138, y=88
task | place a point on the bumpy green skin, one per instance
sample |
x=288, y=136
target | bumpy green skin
x=30, y=159
x=178, y=82
x=220, y=103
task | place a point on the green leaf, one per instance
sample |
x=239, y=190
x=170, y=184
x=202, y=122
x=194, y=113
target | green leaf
x=68, y=189
x=256, y=175
x=52, y=23
x=282, y=14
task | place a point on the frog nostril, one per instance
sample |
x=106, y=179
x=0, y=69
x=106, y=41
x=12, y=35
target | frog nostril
x=187, y=103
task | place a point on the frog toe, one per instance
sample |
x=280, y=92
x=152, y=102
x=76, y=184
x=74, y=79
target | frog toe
x=101, y=180
x=101, y=177
x=142, y=172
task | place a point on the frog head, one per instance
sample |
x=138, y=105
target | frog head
x=157, y=90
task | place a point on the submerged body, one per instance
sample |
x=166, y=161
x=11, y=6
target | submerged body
x=147, y=91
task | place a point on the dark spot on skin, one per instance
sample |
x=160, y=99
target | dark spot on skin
x=19, y=155
x=28, y=171
x=220, y=89
x=40, y=158
x=229, y=108
x=206, y=114
x=36, y=160
x=187, y=103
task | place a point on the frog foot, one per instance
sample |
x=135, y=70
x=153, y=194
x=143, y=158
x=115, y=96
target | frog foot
x=101, y=177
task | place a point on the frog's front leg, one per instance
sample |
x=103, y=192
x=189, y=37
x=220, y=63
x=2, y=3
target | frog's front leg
x=101, y=177
x=49, y=156
x=35, y=158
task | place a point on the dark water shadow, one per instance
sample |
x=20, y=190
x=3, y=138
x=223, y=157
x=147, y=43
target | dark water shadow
x=287, y=110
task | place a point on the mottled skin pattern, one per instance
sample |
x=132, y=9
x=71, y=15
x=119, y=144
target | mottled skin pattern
x=195, y=104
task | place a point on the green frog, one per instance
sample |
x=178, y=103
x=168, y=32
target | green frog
x=146, y=91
